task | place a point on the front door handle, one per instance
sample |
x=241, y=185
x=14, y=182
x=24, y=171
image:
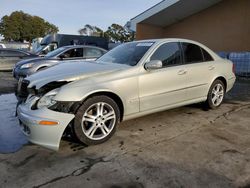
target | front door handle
x=211, y=67
x=182, y=72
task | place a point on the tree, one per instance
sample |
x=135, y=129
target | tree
x=115, y=33
x=20, y=26
x=89, y=30
x=118, y=33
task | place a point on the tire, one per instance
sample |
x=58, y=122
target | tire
x=216, y=94
x=92, y=126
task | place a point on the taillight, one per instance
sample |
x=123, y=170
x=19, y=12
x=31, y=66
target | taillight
x=233, y=68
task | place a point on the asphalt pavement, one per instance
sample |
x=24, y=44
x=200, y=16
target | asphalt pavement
x=183, y=147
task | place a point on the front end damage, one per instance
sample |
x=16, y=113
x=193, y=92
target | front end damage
x=44, y=125
x=43, y=116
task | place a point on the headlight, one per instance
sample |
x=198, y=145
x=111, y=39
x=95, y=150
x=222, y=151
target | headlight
x=47, y=100
x=26, y=66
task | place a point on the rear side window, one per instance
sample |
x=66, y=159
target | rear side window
x=168, y=53
x=206, y=55
x=92, y=53
x=192, y=53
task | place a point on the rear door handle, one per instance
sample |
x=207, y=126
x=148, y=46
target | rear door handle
x=211, y=67
x=182, y=72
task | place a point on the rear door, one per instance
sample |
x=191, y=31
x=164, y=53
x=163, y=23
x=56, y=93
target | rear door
x=166, y=86
x=200, y=66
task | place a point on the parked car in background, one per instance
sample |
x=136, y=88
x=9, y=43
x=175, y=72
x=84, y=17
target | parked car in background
x=69, y=53
x=132, y=80
x=2, y=46
x=9, y=57
x=54, y=41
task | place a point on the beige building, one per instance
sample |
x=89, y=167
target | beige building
x=222, y=25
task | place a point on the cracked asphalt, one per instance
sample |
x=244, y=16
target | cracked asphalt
x=183, y=147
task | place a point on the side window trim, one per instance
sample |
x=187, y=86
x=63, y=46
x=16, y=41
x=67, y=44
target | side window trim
x=182, y=53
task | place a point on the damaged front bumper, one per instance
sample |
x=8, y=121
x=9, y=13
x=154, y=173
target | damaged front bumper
x=48, y=136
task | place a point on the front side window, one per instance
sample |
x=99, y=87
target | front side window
x=192, y=53
x=129, y=53
x=168, y=53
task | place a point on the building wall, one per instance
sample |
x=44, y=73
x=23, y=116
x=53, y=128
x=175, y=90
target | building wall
x=146, y=31
x=222, y=27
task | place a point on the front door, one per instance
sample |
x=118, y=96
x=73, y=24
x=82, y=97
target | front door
x=165, y=86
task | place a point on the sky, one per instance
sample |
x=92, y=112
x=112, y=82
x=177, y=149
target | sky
x=71, y=15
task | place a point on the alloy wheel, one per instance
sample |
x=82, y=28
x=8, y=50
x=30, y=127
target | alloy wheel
x=98, y=121
x=217, y=94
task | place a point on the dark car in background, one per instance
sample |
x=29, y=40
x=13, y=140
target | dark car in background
x=67, y=53
x=54, y=41
x=9, y=57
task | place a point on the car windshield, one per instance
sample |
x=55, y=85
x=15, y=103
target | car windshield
x=55, y=52
x=40, y=48
x=128, y=53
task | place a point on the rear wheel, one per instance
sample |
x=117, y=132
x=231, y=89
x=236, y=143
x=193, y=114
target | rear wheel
x=96, y=120
x=216, y=94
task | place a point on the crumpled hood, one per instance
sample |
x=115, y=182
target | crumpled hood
x=32, y=60
x=71, y=71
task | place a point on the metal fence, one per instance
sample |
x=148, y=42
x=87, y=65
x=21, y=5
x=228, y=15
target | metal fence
x=241, y=61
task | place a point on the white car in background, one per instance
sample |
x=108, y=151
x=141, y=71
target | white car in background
x=132, y=80
x=2, y=46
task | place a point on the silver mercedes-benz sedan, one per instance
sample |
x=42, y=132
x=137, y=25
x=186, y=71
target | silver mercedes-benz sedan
x=132, y=80
x=66, y=53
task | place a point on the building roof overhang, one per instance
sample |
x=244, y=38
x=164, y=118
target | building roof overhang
x=168, y=12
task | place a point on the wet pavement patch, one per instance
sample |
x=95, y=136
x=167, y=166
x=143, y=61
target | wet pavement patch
x=11, y=136
x=87, y=163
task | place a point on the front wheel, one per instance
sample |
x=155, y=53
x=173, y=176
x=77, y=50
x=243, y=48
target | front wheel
x=96, y=120
x=216, y=94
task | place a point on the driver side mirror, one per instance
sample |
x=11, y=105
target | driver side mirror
x=153, y=64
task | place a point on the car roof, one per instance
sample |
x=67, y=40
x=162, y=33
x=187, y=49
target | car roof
x=168, y=40
x=16, y=50
x=12, y=49
x=82, y=46
x=159, y=41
